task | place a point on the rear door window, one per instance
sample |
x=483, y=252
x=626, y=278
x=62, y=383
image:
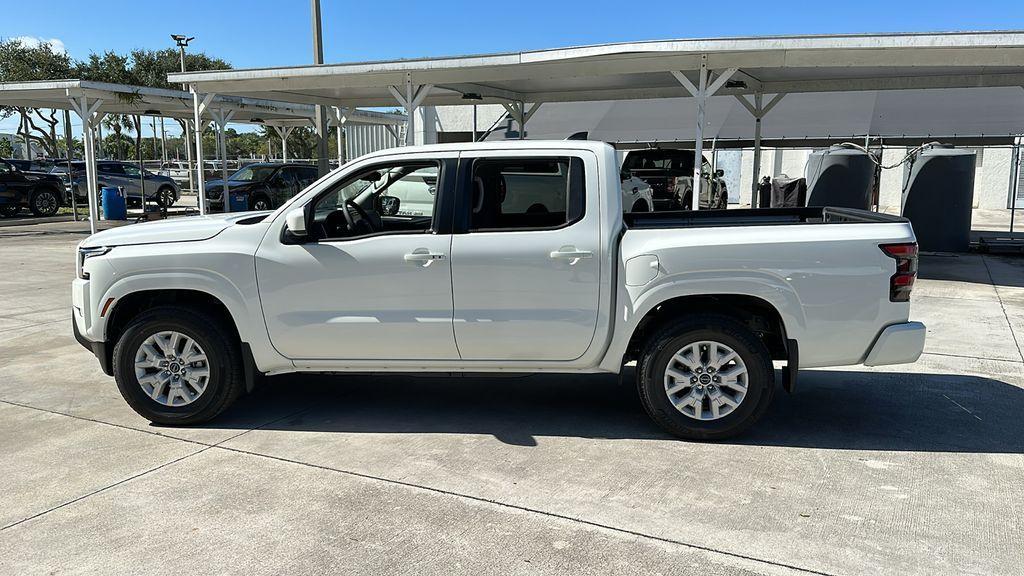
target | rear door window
x=526, y=193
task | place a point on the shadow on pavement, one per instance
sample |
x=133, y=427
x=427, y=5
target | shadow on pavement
x=972, y=268
x=845, y=410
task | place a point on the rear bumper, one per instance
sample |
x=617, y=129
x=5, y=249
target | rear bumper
x=897, y=344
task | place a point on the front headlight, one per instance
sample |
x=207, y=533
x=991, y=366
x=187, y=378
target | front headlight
x=86, y=253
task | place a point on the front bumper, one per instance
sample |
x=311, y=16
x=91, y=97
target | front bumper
x=99, y=349
x=897, y=344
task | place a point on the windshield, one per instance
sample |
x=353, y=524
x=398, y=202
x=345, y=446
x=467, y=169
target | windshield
x=253, y=174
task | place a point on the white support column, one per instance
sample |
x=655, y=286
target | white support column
x=284, y=132
x=91, y=117
x=410, y=100
x=521, y=114
x=198, y=108
x=758, y=110
x=701, y=92
x=163, y=141
x=220, y=120
x=186, y=135
x=340, y=118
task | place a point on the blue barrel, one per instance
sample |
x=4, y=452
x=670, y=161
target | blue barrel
x=114, y=205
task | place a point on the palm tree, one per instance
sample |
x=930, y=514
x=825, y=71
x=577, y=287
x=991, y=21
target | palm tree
x=118, y=123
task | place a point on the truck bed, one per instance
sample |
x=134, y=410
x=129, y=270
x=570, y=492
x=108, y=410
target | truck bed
x=754, y=217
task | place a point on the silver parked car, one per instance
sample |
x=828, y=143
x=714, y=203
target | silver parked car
x=160, y=189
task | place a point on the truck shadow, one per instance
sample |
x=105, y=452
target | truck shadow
x=845, y=410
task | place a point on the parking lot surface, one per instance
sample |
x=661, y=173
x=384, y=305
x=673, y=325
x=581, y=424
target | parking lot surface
x=904, y=470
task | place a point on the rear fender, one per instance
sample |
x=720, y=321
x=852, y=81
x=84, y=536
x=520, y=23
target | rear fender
x=635, y=303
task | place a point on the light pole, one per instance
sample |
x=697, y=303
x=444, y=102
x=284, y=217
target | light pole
x=183, y=41
x=322, y=166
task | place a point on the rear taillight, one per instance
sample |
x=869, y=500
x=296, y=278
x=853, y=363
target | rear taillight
x=902, y=282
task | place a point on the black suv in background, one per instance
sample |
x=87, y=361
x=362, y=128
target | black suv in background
x=41, y=193
x=265, y=185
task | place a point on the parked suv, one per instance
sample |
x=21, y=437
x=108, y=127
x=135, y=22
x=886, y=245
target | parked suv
x=41, y=193
x=265, y=185
x=669, y=172
x=160, y=189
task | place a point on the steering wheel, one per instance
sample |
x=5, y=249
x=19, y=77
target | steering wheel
x=364, y=221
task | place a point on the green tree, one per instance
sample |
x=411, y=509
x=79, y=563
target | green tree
x=6, y=148
x=22, y=63
x=151, y=67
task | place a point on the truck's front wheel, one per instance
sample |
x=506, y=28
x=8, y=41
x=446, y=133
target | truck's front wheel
x=706, y=377
x=177, y=366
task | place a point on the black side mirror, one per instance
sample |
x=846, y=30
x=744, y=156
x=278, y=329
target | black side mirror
x=719, y=172
x=388, y=205
x=625, y=174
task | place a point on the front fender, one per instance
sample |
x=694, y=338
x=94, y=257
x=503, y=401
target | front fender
x=209, y=282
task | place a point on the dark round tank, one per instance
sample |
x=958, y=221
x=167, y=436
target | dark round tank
x=840, y=177
x=937, y=198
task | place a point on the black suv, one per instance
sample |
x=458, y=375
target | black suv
x=41, y=193
x=265, y=185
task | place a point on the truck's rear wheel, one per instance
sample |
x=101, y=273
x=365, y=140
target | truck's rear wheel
x=177, y=366
x=706, y=377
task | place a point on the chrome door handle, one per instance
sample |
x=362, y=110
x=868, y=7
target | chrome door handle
x=571, y=253
x=423, y=255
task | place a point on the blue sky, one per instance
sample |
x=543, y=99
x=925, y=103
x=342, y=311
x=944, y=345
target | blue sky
x=253, y=33
x=257, y=33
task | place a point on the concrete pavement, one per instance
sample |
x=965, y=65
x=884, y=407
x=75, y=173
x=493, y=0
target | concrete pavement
x=902, y=470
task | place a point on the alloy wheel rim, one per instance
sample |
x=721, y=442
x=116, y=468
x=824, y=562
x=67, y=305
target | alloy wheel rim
x=46, y=202
x=172, y=368
x=706, y=380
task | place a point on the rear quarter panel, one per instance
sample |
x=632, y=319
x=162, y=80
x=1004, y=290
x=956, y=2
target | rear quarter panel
x=829, y=282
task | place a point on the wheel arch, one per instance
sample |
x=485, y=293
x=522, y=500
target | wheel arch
x=759, y=315
x=130, y=305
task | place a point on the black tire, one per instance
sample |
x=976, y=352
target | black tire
x=224, y=359
x=260, y=202
x=165, y=197
x=10, y=210
x=662, y=346
x=640, y=206
x=45, y=202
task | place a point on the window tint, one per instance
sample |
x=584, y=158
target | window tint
x=131, y=170
x=110, y=168
x=525, y=193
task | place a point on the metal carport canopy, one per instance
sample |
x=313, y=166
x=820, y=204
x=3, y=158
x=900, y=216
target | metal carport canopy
x=749, y=68
x=91, y=101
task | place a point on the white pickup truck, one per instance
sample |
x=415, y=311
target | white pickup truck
x=525, y=263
